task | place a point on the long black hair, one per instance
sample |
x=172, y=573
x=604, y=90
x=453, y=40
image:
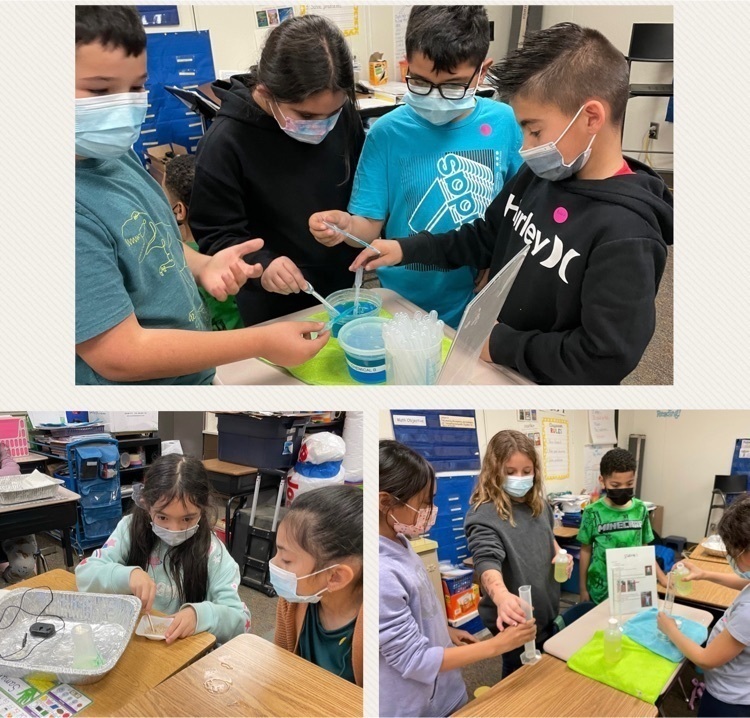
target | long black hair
x=327, y=524
x=305, y=55
x=183, y=478
x=403, y=472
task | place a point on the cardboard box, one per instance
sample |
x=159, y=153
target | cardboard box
x=126, y=421
x=461, y=604
x=378, y=69
x=159, y=156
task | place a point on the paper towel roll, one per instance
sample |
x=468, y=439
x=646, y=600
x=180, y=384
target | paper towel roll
x=354, y=438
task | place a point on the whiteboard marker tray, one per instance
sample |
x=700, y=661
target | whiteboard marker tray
x=112, y=619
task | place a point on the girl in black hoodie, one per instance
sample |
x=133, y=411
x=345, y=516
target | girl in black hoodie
x=285, y=144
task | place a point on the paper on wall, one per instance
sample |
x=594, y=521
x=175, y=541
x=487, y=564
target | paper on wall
x=592, y=458
x=602, y=426
x=555, y=449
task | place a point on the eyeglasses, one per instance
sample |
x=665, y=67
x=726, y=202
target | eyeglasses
x=447, y=90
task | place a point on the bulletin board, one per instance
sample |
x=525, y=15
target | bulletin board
x=345, y=16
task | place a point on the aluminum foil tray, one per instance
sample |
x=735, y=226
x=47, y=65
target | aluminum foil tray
x=112, y=619
x=27, y=487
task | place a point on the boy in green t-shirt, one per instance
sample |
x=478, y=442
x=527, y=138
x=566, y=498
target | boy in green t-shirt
x=618, y=520
x=179, y=173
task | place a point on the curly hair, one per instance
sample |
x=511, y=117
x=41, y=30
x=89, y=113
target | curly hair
x=617, y=461
x=179, y=173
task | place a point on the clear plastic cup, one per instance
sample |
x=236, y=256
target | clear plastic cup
x=364, y=349
x=370, y=304
x=418, y=366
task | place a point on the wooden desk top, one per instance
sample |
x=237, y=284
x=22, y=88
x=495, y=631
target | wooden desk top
x=143, y=665
x=707, y=592
x=550, y=688
x=266, y=681
x=63, y=496
x=226, y=467
x=565, y=532
x=699, y=554
x=31, y=457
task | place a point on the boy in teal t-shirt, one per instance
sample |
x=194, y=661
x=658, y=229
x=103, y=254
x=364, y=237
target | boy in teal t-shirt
x=438, y=161
x=179, y=174
x=618, y=520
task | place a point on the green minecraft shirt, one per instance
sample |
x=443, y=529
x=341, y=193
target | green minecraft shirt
x=606, y=527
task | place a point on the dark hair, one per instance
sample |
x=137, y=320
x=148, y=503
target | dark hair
x=734, y=526
x=449, y=35
x=565, y=65
x=305, y=55
x=327, y=524
x=111, y=26
x=179, y=173
x=175, y=477
x=617, y=461
x=404, y=472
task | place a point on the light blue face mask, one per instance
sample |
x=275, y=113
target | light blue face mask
x=107, y=127
x=518, y=486
x=736, y=569
x=285, y=584
x=547, y=162
x=436, y=109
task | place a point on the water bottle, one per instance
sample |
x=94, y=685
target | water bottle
x=561, y=566
x=681, y=586
x=613, y=642
x=357, y=68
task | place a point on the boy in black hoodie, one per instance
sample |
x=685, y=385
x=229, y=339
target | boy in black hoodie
x=581, y=310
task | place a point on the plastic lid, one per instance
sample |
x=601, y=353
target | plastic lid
x=613, y=622
x=562, y=552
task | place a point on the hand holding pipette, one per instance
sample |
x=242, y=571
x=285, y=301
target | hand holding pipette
x=389, y=251
x=283, y=276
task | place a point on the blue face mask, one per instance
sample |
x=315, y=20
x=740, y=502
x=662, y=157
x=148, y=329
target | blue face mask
x=736, y=569
x=107, y=127
x=285, y=584
x=436, y=109
x=547, y=162
x=518, y=486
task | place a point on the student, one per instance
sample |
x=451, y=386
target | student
x=139, y=317
x=420, y=656
x=164, y=553
x=16, y=554
x=179, y=173
x=617, y=520
x=509, y=531
x=725, y=660
x=317, y=573
x=436, y=162
x=581, y=310
x=285, y=143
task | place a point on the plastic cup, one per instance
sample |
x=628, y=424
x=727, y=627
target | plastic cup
x=364, y=349
x=85, y=652
x=370, y=304
x=419, y=367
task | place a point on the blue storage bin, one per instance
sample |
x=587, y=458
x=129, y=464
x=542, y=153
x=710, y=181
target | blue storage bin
x=100, y=523
x=455, y=553
x=471, y=623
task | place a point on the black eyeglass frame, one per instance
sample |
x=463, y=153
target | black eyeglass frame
x=439, y=87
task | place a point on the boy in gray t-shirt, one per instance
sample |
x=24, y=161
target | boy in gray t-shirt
x=726, y=658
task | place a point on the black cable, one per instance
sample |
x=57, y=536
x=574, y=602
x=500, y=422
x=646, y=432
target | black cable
x=42, y=614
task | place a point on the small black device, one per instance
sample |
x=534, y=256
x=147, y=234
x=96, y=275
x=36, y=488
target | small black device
x=42, y=630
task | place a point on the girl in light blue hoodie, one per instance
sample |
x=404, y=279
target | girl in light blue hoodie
x=165, y=553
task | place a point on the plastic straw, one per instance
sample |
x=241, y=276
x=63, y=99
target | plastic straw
x=362, y=242
x=413, y=348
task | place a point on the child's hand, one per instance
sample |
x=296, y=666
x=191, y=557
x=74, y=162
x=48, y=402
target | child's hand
x=481, y=281
x=584, y=596
x=696, y=574
x=183, y=625
x=514, y=637
x=289, y=343
x=390, y=255
x=226, y=272
x=142, y=586
x=461, y=638
x=283, y=277
x=325, y=235
x=510, y=610
x=667, y=625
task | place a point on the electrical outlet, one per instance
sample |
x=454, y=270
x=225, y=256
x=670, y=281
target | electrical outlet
x=653, y=131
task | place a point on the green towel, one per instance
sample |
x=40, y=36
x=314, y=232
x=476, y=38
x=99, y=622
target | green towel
x=328, y=366
x=639, y=672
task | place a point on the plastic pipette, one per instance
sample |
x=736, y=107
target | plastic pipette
x=359, y=274
x=530, y=654
x=362, y=242
x=331, y=309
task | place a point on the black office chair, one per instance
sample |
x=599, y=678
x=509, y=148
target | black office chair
x=651, y=42
x=726, y=489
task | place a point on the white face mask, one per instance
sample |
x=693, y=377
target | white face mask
x=285, y=584
x=518, y=486
x=547, y=162
x=174, y=538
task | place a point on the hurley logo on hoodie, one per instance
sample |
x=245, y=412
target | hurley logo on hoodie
x=529, y=233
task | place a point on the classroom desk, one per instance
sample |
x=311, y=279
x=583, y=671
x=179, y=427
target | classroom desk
x=699, y=554
x=707, y=593
x=266, y=681
x=565, y=532
x=59, y=513
x=142, y=666
x=550, y=688
x=255, y=371
x=564, y=644
x=30, y=462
